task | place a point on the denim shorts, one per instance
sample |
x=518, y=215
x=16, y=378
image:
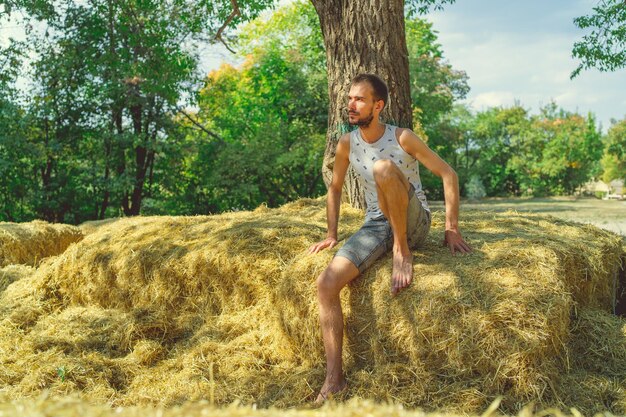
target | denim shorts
x=375, y=237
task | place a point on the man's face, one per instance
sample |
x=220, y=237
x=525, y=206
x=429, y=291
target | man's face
x=362, y=107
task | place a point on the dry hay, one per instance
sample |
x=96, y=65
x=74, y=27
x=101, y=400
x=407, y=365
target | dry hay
x=163, y=310
x=92, y=226
x=72, y=407
x=28, y=243
x=597, y=351
x=12, y=273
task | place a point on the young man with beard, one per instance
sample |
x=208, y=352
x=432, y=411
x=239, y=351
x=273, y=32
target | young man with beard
x=397, y=217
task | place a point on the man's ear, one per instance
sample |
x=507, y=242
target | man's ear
x=380, y=104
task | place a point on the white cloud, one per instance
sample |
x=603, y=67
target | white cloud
x=522, y=51
x=492, y=99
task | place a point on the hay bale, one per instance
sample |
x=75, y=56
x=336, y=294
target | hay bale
x=92, y=226
x=470, y=327
x=12, y=273
x=596, y=376
x=162, y=310
x=28, y=243
x=75, y=407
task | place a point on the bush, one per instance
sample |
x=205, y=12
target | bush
x=475, y=188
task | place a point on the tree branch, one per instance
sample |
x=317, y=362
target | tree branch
x=235, y=12
x=196, y=123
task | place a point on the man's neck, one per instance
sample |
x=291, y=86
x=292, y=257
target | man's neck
x=373, y=132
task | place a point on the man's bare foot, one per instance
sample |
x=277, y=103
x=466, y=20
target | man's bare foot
x=330, y=389
x=402, y=273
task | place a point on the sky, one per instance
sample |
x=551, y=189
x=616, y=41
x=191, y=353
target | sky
x=521, y=50
x=512, y=51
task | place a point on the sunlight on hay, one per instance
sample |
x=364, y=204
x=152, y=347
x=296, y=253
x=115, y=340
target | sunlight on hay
x=92, y=226
x=29, y=243
x=164, y=310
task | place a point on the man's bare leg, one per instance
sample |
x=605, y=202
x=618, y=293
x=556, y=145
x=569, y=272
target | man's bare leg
x=393, y=200
x=339, y=272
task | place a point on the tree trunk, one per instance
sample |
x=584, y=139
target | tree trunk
x=102, y=207
x=133, y=207
x=362, y=36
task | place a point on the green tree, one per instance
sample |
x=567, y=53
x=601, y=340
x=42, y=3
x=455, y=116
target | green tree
x=558, y=154
x=605, y=47
x=496, y=131
x=435, y=85
x=261, y=134
x=614, y=157
x=129, y=64
x=110, y=75
x=15, y=154
x=16, y=180
x=125, y=67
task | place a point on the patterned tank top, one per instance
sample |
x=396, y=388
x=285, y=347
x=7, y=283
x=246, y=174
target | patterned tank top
x=362, y=157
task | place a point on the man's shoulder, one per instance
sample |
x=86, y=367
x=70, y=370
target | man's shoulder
x=343, y=145
x=404, y=133
x=344, y=140
x=412, y=142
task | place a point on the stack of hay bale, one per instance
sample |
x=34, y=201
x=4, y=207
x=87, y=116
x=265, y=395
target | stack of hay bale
x=25, y=245
x=29, y=243
x=164, y=310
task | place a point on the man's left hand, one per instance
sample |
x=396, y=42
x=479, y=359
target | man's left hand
x=455, y=242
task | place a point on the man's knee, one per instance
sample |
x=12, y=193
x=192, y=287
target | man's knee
x=387, y=173
x=385, y=169
x=328, y=283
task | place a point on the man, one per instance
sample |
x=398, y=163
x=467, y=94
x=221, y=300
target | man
x=397, y=217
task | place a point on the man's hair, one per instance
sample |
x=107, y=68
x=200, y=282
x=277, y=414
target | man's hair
x=381, y=92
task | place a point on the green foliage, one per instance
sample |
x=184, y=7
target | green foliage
x=39, y=9
x=560, y=152
x=264, y=123
x=413, y=7
x=494, y=132
x=515, y=153
x=605, y=47
x=16, y=182
x=435, y=85
x=103, y=134
x=614, y=157
x=475, y=188
x=10, y=63
x=62, y=373
x=111, y=74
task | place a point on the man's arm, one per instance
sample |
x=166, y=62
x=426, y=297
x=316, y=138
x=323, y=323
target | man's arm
x=333, y=198
x=420, y=151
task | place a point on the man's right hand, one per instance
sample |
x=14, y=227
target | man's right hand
x=329, y=242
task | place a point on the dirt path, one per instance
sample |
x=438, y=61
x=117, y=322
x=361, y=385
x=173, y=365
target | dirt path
x=609, y=215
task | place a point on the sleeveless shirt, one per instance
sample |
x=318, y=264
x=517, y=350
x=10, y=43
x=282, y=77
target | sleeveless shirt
x=363, y=155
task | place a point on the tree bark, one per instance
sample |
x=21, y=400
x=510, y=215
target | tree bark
x=133, y=207
x=362, y=36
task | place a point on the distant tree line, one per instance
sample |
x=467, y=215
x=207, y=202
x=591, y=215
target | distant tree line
x=103, y=132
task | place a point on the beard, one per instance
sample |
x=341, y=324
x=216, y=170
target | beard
x=363, y=122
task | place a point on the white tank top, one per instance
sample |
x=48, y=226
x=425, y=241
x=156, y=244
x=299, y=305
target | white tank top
x=362, y=157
